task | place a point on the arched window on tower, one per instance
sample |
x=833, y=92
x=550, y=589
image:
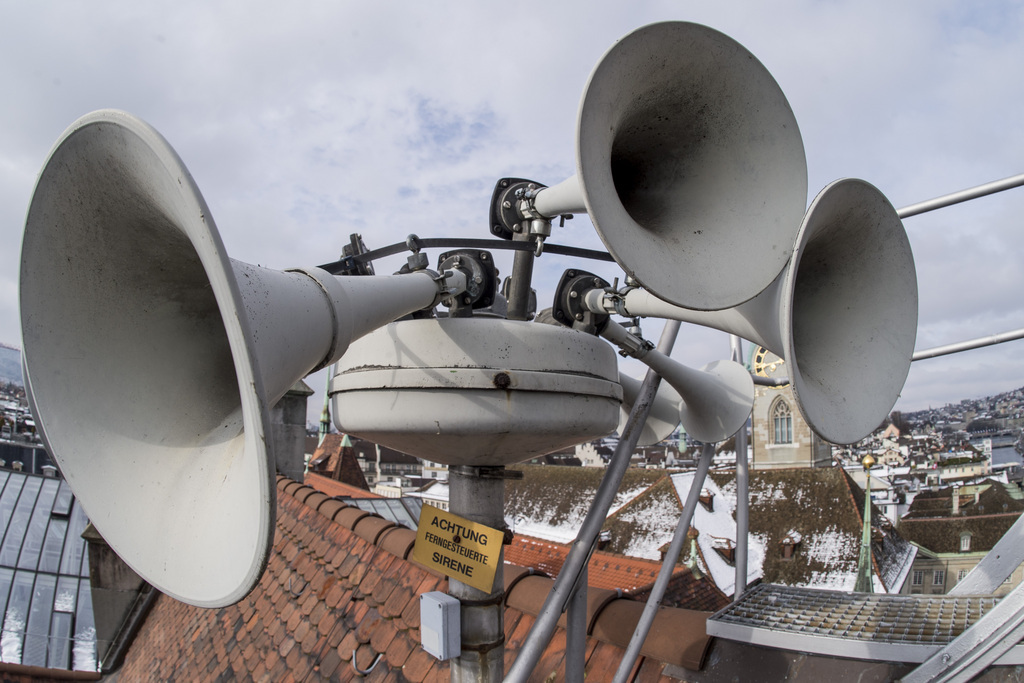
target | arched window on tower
x=782, y=422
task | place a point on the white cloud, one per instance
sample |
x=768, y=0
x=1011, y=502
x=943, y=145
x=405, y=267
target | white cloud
x=304, y=123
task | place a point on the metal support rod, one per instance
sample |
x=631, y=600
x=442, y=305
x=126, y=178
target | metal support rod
x=540, y=635
x=643, y=627
x=977, y=648
x=742, y=491
x=521, y=280
x=978, y=343
x=962, y=196
x=482, y=500
x=576, y=630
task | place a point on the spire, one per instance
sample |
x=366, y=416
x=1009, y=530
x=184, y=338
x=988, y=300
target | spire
x=864, y=571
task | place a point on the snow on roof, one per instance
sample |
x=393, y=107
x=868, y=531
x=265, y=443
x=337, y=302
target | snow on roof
x=551, y=502
x=719, y=523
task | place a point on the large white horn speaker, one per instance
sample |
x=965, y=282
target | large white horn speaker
x=688, y=157
x=843, y=314
x=153, y=359
x=716, y=400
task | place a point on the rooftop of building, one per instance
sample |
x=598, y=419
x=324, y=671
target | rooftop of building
x=45, y=594
x=341, y=593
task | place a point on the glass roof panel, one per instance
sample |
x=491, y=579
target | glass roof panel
x=9, y=498
x=74, y=546
x=83, y=654
x=66, y=597
x=59, y=656
x=53, y=546
x=6, y=578
x=16, y=617
x=62, y=506
x=19, y=522
x=37, y=633
x=45, y=601
x=36, y=532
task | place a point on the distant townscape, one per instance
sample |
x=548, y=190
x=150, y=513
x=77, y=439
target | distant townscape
x=10, y=364
x=933, y=490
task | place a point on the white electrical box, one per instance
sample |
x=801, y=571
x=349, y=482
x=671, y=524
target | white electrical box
x=440, y=625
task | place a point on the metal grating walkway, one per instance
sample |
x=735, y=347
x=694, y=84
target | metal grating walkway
x=905, y=628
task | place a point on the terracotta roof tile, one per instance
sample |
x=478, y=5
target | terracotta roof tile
x=634, y=576
x=327, y=592
x=371, y=528
x=350, y=517
x=398, y=541
x=333, y=487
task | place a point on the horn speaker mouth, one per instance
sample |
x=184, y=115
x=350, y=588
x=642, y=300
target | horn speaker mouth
x=690, y=157
x=146, y=388
x=852, y=299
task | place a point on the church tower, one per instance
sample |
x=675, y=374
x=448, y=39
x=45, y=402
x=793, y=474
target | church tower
x=781, y=436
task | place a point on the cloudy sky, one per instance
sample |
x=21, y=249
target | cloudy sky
x=306, y=121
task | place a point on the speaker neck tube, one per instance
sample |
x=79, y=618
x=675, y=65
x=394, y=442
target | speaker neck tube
x=564, y=198
x=752, y=320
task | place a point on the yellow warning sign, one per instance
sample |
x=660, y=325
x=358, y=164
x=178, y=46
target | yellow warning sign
x=457, y=547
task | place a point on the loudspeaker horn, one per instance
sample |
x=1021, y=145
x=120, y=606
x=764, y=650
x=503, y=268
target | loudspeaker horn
x=664, y=416
x=688, y=156
x=843, y=314
x=153, y=359
x=716, y=400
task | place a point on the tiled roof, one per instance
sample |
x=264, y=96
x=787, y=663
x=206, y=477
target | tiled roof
x=634, y=576
x=931, y=524
x=335, y=488
x=821, y=504
x=336, y=459
x=325, y=457
x=340, y=592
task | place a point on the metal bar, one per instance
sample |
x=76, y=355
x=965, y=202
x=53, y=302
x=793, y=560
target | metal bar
x=482, y=500
x=978, y=647
x=742, y=490
x=340, y=265
x=540, y=634
x=643, y=627
x=978, y=343
x=576, y=630
x=962, y=196
x=522, y=278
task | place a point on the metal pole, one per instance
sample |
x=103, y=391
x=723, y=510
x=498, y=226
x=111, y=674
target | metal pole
x=576, y=630
x=962, y=196
x=521, y=280
x=742, y=491
x=478, y=494
x=540, y=635
x=643, y=627
x=978, y=343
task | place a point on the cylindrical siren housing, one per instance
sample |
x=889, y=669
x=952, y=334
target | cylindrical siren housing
x=478, y=392
x=690, y=164
x=153, y=358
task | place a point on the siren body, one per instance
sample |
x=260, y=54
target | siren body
x=686, y=151
x=843, y=314
x=716, y=400
x=476, y=391
x=153, y=359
